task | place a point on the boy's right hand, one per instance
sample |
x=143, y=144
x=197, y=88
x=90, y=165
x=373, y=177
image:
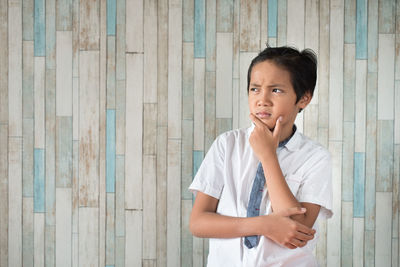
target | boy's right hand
x=287, y=232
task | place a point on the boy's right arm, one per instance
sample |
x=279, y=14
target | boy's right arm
x=205, y=222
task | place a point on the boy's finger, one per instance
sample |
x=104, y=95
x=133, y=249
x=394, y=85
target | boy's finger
x=294, y=211
x=277, y=129
x=256, y=120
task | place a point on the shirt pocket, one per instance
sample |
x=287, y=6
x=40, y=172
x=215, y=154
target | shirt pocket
x=294, y=182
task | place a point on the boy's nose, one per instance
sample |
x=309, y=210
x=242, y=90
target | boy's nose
x=264, y=100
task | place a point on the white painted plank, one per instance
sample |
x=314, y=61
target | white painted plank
x=174, y=69
x=134, y=130
x=386, y=57
x=245, y=60
x=347, y=233
x=89, y=128
x=224, y=75
x=27, y=232
x=14, y=68
x=134, y=26
x=75, y=187
x=358, y=242
x=150, y=56
x=39, y=87
x=63, y=226
x=110, y=230
x=187, y=237
x=75, y=108
x=333, y=238
x=89, y=25
x=383, y=233
x=133, y=241
x=295, y=23
x=14, y=201
x=198, y=252
x=397, y=113
x=311, y=32
x=75, y=250
x=235, y=103
x=360, y=105
x=320, y=250
x=64, y=73
x=198, y=103
x=299, y=121
x=250, y=25
x=336, y=70
x=173, y=203
x=263, y=23
x=38, y=237
x=149, y=207
x=88, y=237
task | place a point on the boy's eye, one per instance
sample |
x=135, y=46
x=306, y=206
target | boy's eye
x=277, y=90
x=254, y=89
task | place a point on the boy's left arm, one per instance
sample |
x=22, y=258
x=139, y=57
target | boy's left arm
x=264, y=144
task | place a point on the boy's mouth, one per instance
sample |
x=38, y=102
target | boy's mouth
x=263, y=115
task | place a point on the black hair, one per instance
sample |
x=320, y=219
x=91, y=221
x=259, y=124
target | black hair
x=302, y=67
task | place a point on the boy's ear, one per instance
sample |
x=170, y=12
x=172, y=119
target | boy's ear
x=305, y=100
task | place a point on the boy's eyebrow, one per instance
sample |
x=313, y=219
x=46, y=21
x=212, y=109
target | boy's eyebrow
x=271, y=85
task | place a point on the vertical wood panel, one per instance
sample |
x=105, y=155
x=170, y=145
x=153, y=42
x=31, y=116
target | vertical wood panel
x=186, y=238
x=198, y=105
x=347, y=234
x=134, y=26
x=39, y=92
x=88, y=236
x=173, y=203
x=39, y=241
x=27, y=232
x=373, y=36
x=110, y=229
x=134, y=130
x=360, y=105
x=211, y=14
x=149, y=207
x=89, y=25
x=4, y=68
x=111, y=80
x=282, y=22
x=64, y=152
x=4, y=200
x=133, y=238
x=224, y=75
x=295, y=23
x=245, y=60
x=27, y=79
x=249, y=25
x=358, y=242
x=188, y=21
x=149, y=129
x=224, y=16
x=383, y=236
x=187, y=158
x=209, y=124
x=27, y=158
x=150, y=46
x=89, y=129
x=120, y=197
x=64, y=73
x=64, y=227
x=384, y=155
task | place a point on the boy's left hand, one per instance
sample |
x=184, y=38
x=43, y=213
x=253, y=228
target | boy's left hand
x=264, y=141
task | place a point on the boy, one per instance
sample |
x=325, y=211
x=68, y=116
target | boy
x=260, y=190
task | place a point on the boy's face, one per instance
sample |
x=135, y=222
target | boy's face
x=271, y=95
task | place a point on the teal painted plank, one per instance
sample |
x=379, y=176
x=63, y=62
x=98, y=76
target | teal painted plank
x=361, y=29
x=349, y=82
x=282, y=22
x=211, y=28
x=40, y=28
x=27, y=158
x=64, y=152
x=225, y=16
x=349, y=21
x=50, y=245
x=210, y=110
x=39, y=186
x=27, y=20
x=64, y=15
x=120, y=196
x=188, y=20
x=111, y=16
x=384, y=162
x=387, y=19
x=110, y=151
x=348, y=161
x=272, y=18
x=111, y=78
x=197, y=159
x=369, y=248
x=372, y=36
x=359, y=184
x=50, y=34
x=187, y=81
x=199, y=28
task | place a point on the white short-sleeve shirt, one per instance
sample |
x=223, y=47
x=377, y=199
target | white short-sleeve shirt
x=227, y=173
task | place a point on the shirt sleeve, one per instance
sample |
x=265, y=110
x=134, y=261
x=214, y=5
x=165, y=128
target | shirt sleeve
x=209, y=178
x=316, y=186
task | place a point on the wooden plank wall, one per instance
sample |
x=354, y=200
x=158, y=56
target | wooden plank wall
x=108, y=107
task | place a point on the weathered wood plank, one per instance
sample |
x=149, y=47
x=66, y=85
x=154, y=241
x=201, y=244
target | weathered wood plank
x=347, y=233
x=120, y=118
x=173, y=203
x=134, y=130
x=149, y=129
x=250, y=25
x=295, y=23
x=111, y=16
x=187, y=81
x=162, y=195
x=64, y=152
x=360, y=105
x=4, y=68
x=88, y=236
x=111, y=75
x=28, y=13
x=64, y=15
x=75, y=188
x=333, y=239
x=39, y=180
x=224, y=75
x=373, y=36
x=349, y=82
x=110, y=229
x=198, y=105
x=49, y=245
x=39, y=111
x=311, y=34
x=384, y=156
x=224, y=16
x=110, y=151
x=150, y=57
x=387, y=16
x=27, y=231
x=63, y=227
x=175, y=69
x=188, y=21
x=361, y=29
x=27, y=80
x=186, y=237
x=358, y=242
x=27, y=158
x=89, y=128
x=386, y=77
x=4, y=200
x=39, y=240
x=199, y=28
x=187, y=158
x=50, y=35
x=383, y=231
x=245, y=60
x=120, y=197
x=348, y=161
x=209, y=116
x=133, y=237
x=120, y=41
x=134, y=26
x=162, y=63
x=149, y=207
x=89, y=25
x=120, y=252
x=211, y=17
x=352, y=22
x=282, y=23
